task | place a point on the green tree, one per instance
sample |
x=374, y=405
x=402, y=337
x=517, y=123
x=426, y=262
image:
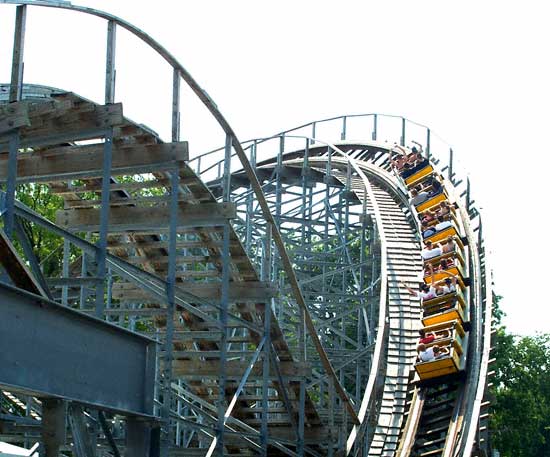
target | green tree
x=521, y=390
x=46, y=246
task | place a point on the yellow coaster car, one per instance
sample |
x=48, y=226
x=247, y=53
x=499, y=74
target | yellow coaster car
x=457, y=256
x=454, y=347
x=433, y=201
x=445, y=308
x=442, y=235
x=419, y=175
x=440, y=276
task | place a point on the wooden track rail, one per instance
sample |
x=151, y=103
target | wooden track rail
x=405, y=265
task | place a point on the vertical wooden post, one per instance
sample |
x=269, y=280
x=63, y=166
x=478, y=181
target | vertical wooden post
x=16, y=86
x=110, y=71
x=176, y=106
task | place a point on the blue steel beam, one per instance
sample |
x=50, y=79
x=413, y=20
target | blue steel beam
x=55, y=351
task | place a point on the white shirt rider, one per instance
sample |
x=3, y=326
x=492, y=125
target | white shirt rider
x=427, y=355
x=427, y=295
x=443, y=225
x=428, y=253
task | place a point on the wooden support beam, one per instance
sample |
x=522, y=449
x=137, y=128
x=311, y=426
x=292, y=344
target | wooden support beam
x=83, y=122
x=72, y=162
x=16, y=86
x=184, y=259
x=244, y=291
x=312, y=435
x=64, y=189
x=139, y=244
x=13, y=116
x=127, y=219
x=234, y=369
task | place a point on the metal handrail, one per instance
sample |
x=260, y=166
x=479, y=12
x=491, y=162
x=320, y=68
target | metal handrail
x=320, y=121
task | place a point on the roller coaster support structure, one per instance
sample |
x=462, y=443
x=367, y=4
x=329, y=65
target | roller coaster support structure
x=241, y=301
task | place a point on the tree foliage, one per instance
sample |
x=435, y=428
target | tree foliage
x=47, y=247
x=521, y=390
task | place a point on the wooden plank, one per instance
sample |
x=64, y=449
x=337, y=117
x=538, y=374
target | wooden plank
x=234, y=369
x=164, y=244
x=63, y=188
x=124, y=219
x=312, y=435
x=13, y=116
x=51, y=108
x=245, y=291
x=87, y=161
x=184, y=259
x=72, y=126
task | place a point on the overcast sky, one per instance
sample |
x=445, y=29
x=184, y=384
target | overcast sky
x=476, y=72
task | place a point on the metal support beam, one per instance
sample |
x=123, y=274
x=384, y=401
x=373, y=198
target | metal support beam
x=82, y=440
x=428, y=143
x=450, y=171
x=9, y=215
x=220, y=429
x=31, y=257
x=16, y=85
x=138, y=438
x=53, y=425
x=170, y=313
x=302, y=395
x=65, y=271
x=107, y=432
x=16, y=267
x=61, y=363
x=101, y=254
x=265, y=379
x=344, y=128
x=250, y=203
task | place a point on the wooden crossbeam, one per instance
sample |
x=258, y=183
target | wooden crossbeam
x=245, y=291
x=13, y=116
x=164, y=244
x=64, y=188
x=73, y=125
x=234, y=369
x=184, y=259
x=127, y=219
x=312, y=435
x=86, y=161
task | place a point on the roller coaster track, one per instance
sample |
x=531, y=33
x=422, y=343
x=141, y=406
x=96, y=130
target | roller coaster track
x=271, y=286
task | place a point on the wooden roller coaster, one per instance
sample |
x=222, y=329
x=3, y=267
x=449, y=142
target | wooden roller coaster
x=242, y=301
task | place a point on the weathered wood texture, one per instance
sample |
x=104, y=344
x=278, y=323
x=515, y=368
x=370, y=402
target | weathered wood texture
x=72, y=162
x=13, y=116
x=65, y=122
x=126, y=219
x=238, y=291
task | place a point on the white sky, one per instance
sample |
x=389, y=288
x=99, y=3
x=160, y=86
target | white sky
x=476, y=72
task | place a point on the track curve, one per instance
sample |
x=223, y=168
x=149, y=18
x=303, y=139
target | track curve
x=403, y=336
